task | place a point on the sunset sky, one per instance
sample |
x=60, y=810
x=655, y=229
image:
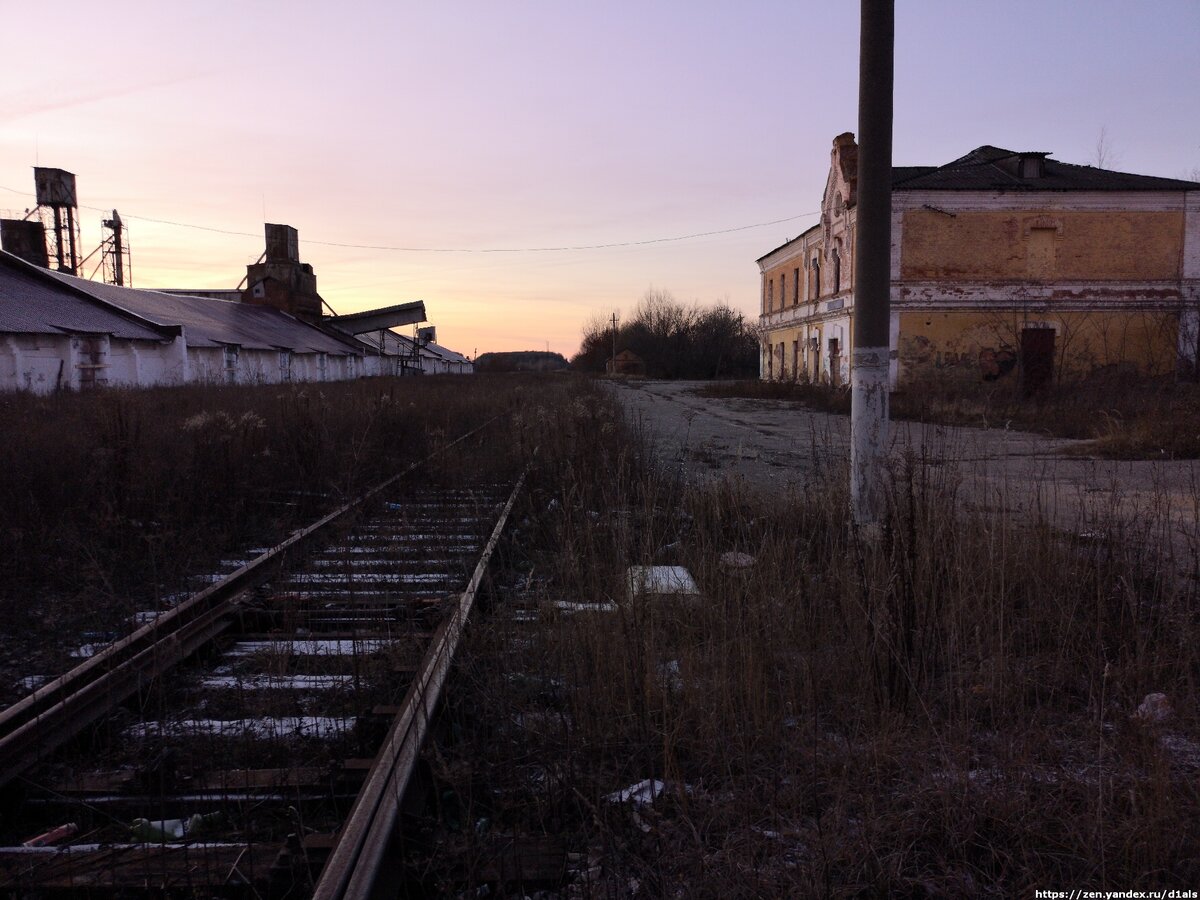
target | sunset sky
x=478, y=131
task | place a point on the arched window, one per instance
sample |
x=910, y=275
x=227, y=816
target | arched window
x=837, y=270
x=816, y=277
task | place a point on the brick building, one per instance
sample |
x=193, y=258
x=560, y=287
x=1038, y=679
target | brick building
x=1004, y=265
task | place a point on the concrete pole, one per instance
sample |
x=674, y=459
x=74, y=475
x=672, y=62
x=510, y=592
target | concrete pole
x=612, y=366
x=872, y=266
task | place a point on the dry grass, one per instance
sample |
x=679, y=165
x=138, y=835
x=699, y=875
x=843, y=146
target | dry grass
x=950, y=712
x=109, y=501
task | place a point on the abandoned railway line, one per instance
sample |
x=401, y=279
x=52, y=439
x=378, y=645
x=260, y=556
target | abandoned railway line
x=258, y=738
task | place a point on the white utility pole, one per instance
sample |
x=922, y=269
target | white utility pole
x=872, y=266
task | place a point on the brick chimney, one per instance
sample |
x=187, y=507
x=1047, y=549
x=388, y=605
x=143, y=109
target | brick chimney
x=281, y=280
x=844, y=161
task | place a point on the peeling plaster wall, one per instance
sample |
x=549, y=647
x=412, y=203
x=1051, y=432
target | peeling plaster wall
x=1041, y=245
x=980, y=345
x=44, y=363
x=40, y=363
x=1116, y=275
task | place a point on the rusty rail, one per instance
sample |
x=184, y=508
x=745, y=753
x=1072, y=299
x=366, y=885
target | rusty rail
x=53, y=714
x=350, y=872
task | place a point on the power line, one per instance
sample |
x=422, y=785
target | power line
x=401, y=249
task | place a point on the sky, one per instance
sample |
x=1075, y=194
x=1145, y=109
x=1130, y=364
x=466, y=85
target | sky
x=443, y=152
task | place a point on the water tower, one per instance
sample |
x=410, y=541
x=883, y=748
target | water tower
x=60, y=216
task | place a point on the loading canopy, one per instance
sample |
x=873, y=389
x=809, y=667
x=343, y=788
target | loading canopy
x=379, y=319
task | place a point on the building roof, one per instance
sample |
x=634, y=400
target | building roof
x=213, y=323
x=445, y=353
x=990, y=168
x=374, y=319
x=31, y=303
x=393, y=344
x=789, y=242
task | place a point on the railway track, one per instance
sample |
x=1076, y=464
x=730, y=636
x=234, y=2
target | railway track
x=257, y=739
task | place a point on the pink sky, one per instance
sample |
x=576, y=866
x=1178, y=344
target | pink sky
x=493, y=126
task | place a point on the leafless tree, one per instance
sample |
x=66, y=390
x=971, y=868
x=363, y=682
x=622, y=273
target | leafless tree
x=1105, y=157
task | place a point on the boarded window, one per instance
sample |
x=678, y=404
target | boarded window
x=1041, y=252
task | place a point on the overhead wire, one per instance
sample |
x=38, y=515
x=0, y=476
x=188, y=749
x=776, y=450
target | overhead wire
x=405, y=249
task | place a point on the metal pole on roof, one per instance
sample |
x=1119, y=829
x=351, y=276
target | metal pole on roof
x=872, y=267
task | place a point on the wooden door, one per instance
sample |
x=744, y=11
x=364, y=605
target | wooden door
x=1037, y=359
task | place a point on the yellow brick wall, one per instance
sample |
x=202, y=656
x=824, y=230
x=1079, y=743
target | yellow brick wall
x=776, y=274
x=1042, y=245
x=950, y=344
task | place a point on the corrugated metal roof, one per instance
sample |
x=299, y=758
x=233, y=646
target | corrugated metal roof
x=980, y=170
x=210, y=322
x=32, y=304
x=393, y=344
x=446, y=353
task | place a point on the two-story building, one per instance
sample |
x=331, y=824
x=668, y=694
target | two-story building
x=1004, y=265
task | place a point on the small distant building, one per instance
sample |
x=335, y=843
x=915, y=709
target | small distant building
x=1005, y=264
x=626, y=363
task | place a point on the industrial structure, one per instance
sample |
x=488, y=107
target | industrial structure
x=61, y=331
x=1004, y=264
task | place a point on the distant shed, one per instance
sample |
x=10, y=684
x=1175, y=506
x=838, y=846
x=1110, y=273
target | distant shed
x=626, y=363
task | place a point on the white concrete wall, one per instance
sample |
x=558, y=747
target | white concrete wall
x=44, y=363
x=40, y=363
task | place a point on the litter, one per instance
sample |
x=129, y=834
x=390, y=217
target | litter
x=735, y=560
x=661, y=581
x=53, y=836
x=644, y=793
x=1154, y=708
x=171, y=829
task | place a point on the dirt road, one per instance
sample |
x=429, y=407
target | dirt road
x=779, y=446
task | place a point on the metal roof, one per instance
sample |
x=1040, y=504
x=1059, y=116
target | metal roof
x=445, y=353
x=30, y=303
x=980, y=170
x=210, y=322
x=375, y=319
x=790, y=241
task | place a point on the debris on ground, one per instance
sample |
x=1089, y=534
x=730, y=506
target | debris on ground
x=1154, y=709
x=734, y=560
x=661, y=581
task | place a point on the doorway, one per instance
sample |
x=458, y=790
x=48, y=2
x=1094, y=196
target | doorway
x=1037, y=359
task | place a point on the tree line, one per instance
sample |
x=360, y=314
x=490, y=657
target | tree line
x=674, y=340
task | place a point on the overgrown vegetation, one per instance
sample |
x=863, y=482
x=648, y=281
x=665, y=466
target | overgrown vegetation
x=953, y=711
x=1121, y=417
x=673, y=340
x=957, y=710
x=110, y=500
